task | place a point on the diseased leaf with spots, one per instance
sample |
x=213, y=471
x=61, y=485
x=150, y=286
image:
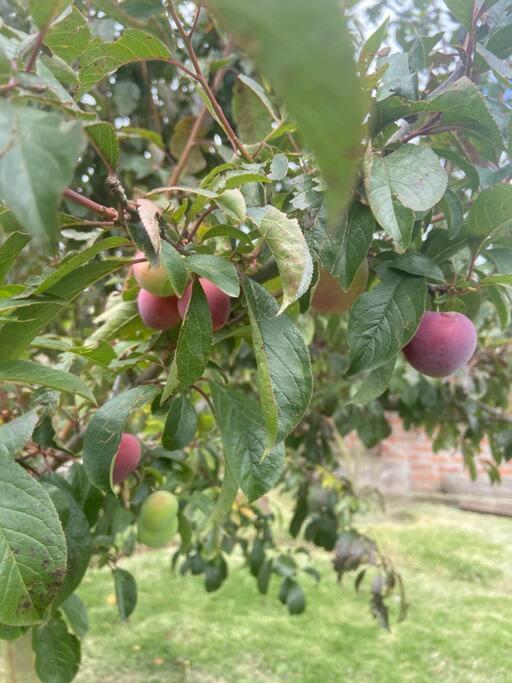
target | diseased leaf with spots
x=32, y=547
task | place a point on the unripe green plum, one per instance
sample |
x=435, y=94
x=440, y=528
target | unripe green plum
x=443, y=343
x=153, y=280
x=219, y=303
x=158, y=519
x=127, y=458
x=158, y=312
x=330, y=297
x=206, y=421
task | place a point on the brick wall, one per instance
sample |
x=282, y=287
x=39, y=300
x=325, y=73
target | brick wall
x=406, y=463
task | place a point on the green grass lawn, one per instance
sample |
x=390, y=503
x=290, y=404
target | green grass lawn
x=457, y=567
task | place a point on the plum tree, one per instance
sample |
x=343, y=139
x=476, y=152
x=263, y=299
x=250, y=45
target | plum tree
x=153, y=279
x=218, y=302
x=158, y=312
x=158, y=519
x=329, y=295
x=127, y=457
x=443, y=343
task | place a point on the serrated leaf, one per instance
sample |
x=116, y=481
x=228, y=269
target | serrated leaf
x=15, y=434
x=126, y=592
x=180, y=424
x=288, y=246
x=383, y=320
x=101, y=59
x=259, y=92
x=242, y=428
x=284, y=367
x=226, y=231
x=413, y=174
x=418, y=264
x=374, y=384
x=11, y=248
x=278, y=167
x=57, y=651
x=372, y=44
x=350, y=244
x=76, y=615
x=252, y=118
x=453, y=211
x=32, y=547
x=27, y=372
x=232, y=202
x=69, y=37
x=74, y=261
x=78, y=537
x=103, y=433
x=218, y=270
x=44, y=11
x=194, y=343
x=300, y=68
x=104, y=139
x=149, y=214
x=35, y=169
x=491, y=212
x=175, y=267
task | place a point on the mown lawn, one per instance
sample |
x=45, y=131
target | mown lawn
x=458, y=572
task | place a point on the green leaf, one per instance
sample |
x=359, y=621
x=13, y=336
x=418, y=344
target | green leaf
x=284, y=367
x=491, y=212
x=180, y=424
x=383, y=320
x=126, y=592
x=498, y=279
x=372, y=44
x=259, y=92
x=15, y=337
x=11, y=248
x=175, y=267
x=413, y=174
x=44, y=11
x=74, y=261
x=101, y=59
x=15, y=434
x=103, y=433
x=232, y=202
x=104, y=139
x=194, y=343
x=398, y=77
x=418, y=264
x=35, y=169
x=288, y=246
x=295, y=600
x=32, y=547
x=226, y=231
x=278, y=167
x=462, y=10
x=242, y=428
x=453, y=210
x=499, y=66
x=463, y=103
x=252, y=118
x=501, y=305
x=27, y=372
x=348, y=247
x=69, y=37
x=78, y=537
x=374, y=384
x=218, y=270
x=299, y=45
x=76, y=615
x=57, y=651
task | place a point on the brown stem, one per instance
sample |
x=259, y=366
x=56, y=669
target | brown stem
x=200, y=77
x=190, y=236
x=204, y=395
x=35, y=50
x=78, y=198
x=196, y=128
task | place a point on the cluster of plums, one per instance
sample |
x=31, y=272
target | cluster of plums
x=161, y=309
x=158, y=518
x=443, y=342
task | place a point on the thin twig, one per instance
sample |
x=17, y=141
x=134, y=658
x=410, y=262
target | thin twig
x=106, y=211
x=204, y=395
x=190, y=236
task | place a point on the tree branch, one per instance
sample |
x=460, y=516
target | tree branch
x=106, y=211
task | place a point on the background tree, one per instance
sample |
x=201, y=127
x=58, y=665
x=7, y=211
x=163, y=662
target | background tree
x=223, y=158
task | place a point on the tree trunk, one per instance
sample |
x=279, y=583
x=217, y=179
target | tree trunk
x=17, y=663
